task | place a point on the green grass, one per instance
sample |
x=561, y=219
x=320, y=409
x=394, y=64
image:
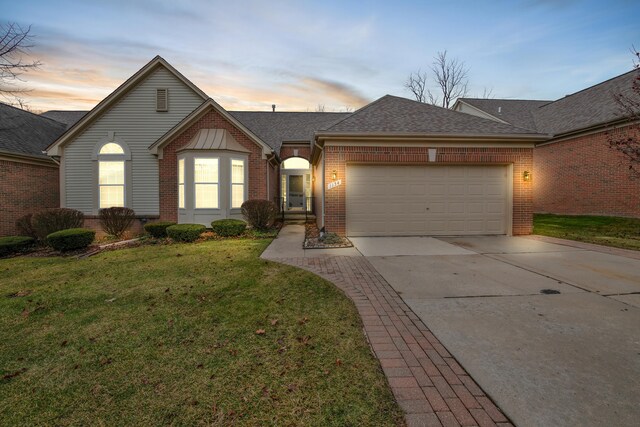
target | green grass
x=166, y=335
x=602, y=230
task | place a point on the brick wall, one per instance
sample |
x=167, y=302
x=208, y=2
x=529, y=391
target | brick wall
x=168, y=165
x=583, y=176
x=304, y=151
x=25, y=188
x=337, y=159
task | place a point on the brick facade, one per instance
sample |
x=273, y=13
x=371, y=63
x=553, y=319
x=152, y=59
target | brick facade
x=338, y=157
x=26, y=188
x=288, y=150
x=583, y=176
x=168, y=165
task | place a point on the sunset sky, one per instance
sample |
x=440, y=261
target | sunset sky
x=248, y=55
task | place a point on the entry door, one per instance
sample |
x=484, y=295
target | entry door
x=426, y=200
x=295, y=195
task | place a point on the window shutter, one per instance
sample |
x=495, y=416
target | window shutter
x=162, y=99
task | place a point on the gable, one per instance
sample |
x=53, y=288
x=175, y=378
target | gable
x=133, y=119
x=157, y=65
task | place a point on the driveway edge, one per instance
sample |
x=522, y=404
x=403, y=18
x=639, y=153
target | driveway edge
x=428, y=383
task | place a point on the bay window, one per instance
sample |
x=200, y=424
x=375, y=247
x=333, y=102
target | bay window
x=205, y=180
x=181, y=204
x=237, y=183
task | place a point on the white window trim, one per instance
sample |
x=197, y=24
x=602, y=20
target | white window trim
x=123, y=185
x=245, y=187
x=97, y=158
x=193, y=181
x=183, y=184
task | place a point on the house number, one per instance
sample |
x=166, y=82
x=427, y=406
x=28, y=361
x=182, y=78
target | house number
x=334, y=184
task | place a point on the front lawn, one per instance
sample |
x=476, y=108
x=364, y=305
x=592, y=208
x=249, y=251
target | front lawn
x=603, y=230
x=184, y=334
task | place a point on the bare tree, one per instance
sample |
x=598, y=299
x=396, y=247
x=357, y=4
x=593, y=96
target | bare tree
x=417, y=84
x=15, y=42
x=626, y=139
x=320, y=108
x=450, y=77
x=487, y=93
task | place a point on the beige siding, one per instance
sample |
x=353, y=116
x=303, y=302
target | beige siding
x=133, y=119
x=464, y=108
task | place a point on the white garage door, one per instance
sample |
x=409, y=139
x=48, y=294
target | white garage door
x=426, y=200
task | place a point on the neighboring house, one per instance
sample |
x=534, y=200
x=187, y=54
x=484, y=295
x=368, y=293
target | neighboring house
x=160, y=145
x=575, y=171
x=66, y=117
x=28, y=177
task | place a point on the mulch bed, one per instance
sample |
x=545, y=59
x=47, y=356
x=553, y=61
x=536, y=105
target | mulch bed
x=312, y=239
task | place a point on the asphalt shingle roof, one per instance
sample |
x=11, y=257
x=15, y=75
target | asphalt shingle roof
x=22, y=132
x=68, y=117
x=276, y=127
x=589, y=107
x=392, y=114
x=518, y=112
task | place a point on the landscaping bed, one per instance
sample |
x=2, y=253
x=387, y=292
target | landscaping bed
x=183, y=334
x=602, y=230
x=313, y=240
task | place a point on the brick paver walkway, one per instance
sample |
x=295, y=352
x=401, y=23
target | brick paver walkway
x=428, y=383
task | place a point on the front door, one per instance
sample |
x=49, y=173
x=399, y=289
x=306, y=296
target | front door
x=295, y=199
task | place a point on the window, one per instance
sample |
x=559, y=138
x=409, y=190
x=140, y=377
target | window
x=205, y=179
x=181, y=183
x=295, y=163
x=237, y=183
x=162, y=99
x=111, y=148
x=111, y=183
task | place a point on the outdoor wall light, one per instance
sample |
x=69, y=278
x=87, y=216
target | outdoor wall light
x=334, y=174
x=526, y=176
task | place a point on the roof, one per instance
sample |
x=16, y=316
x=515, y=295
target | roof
x=114, y=96
x=68, y=117
x=590, y=107
x=587, y=108
x=274, y=128
x=214, y=139
x=518, y=112
x=25, y=133
x=207, y=105
x=395, y=115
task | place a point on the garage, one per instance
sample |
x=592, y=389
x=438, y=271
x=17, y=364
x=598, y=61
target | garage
x=426, y=200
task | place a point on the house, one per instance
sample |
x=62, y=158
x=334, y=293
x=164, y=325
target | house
x=28, y=177
x=575, y=171
x=160, y=145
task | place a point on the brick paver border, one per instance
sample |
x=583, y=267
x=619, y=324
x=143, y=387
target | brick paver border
x=428, y=383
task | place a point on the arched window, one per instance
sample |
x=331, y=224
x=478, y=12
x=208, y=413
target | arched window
x=111, y=175
x=295, y=163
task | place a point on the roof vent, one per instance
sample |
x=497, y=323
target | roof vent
x=162, y=99
x=273, y=107
x=499, y=109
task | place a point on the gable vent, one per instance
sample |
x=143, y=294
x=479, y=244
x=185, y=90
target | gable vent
x=162, y=99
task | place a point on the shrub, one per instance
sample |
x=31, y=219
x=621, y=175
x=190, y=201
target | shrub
x=12, y=244
x=115, y=221
x=52, y=220
x=70, y=239
x=25, y=227
x=185, y=232
x=259, y=213
x=158, y=229
x=228, y=227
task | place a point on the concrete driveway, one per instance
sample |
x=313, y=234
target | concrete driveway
x=551, y=332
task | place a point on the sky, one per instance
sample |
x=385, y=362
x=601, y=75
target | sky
x=248, y=55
